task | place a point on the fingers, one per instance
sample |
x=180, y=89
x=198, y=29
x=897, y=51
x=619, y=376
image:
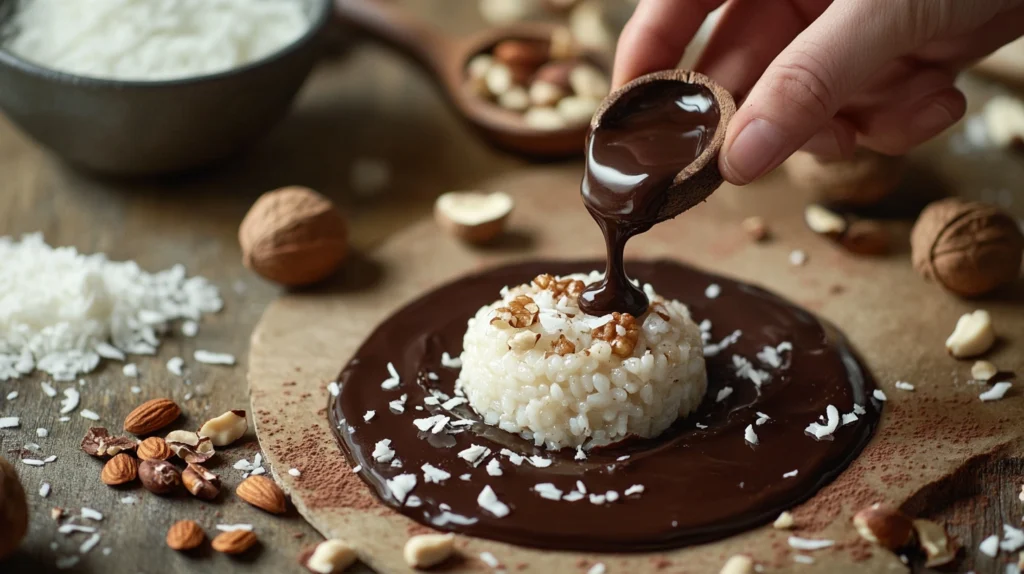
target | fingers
x=809, y=81
x=836, y=141
x=656, y=36
x=901, y=126
x=742, y=45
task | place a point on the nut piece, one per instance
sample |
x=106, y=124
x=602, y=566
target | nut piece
x=119, y=470
x=972, y=336
x=738, y=564
x=522, y=57
x=589, y=82
x=427, y=550
x=546, y=119
x=473, y=216
x=234, y=541
x=983, y=371
x=559, y=288
x=515, y=99
x=555, y=74
x=185, y=535
x=201, y=482
x=520, y=313
x=621, y=332
x=153, y=448
x=756, y=228
x=863, y=180
x=98, y=442
x=189, y=446
x=563, y=346
x=1004, y=121
x=545, y=94
x=885, y=526
x=865, y=237
x=824, y=221
x=13, y=510
x=225, y=429
x=498, y=79
x=936, y=544
x=293, y=236
x=151, y=416
x=263, y=493
x=159, y=476
x=784, y=521
x=577, y=110
x=967, y=247
x=330, y=557
x=523, y=341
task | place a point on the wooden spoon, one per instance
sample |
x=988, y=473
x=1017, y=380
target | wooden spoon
x=694, y=183
x=446, y=59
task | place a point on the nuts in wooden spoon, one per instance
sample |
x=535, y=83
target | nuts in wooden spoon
x=428, y=550
x=185, y=535
x=972, y=336
x=885, y=526
x=969, y=248
x=473, y=216
x=13, y=509
x=330, y=557
x=293, y=236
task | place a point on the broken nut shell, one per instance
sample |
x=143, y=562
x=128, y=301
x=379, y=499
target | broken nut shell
x=201, y=482
x=225, y=429
x=159, y=476
x=474, y=217
x=885, y=526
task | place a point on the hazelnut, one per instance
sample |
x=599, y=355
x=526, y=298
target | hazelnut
x=577, y=110
x=159, y=476
x=545, y=93
x=863, y=180
x=472, y=216
x=515, y=99
x=590, y=25
x=824, y=221
x=498, y=79
x=546, y=119
x=522, y=57
x=293, y=236
x=563, y=45
x=983, y=371
x=885, y=526
x=967, y=247
x=589, y=82
x=556, y=73
x=13, y=509
x=972, y=336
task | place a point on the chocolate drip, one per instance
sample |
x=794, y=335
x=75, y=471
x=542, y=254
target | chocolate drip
x=701, y=480
x=633, y=156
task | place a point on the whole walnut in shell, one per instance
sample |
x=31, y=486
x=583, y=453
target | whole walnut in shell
x=969, y=248
x=293, y=236
x=13, y=510
x=864, y=180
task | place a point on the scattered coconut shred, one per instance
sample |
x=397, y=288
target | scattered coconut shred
x=61, y=311
x=151, y=39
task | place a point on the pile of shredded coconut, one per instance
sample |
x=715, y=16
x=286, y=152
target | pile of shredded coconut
x=151, y=39
x=61, y=311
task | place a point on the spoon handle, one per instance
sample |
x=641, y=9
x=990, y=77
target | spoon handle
x=398, y=27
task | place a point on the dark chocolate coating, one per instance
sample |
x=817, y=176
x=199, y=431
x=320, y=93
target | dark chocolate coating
x=700, y=485
x=633, y=156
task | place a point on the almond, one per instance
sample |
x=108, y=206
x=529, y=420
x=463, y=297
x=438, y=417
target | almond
x=153, y=448
x=185, y=535
x=263, y=493
x=119, y=470
x=151, y=416
x=234, y=542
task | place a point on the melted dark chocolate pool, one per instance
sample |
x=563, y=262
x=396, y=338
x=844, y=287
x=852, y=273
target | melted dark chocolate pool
x=699, y=483
x=651, y=134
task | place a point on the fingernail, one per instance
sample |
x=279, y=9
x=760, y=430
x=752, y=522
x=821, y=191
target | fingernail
x=824, y=145
x=935, y=117
x=754, y=151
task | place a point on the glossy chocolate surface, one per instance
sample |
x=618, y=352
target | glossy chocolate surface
x=642, y=143
x=699, y=483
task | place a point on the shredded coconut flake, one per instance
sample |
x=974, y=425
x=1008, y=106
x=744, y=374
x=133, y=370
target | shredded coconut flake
x=790, y=474
x=713, y=291
x=451, y=363
x=990, y=546
x=9, y=422
x=433, y=474
x=997, y=392
x=401, y=485
x=635, y=489
x=749, y=435
x=878, y=394
x=70, y=400
x=904, y=386
x=488, y=500
x=808, y=544
x=211, y=358
x=819, y=431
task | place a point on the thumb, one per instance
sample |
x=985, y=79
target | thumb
x=803, y=88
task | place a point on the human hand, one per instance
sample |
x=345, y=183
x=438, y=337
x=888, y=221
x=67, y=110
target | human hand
x=824, y=76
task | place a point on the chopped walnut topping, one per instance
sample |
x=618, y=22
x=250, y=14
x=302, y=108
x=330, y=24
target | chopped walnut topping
x=621, y=332
x=559, y=287
x=659, y=310
x=563, y=346
x=520, y=313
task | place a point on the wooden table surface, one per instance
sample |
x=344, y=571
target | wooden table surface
x=361, y=102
